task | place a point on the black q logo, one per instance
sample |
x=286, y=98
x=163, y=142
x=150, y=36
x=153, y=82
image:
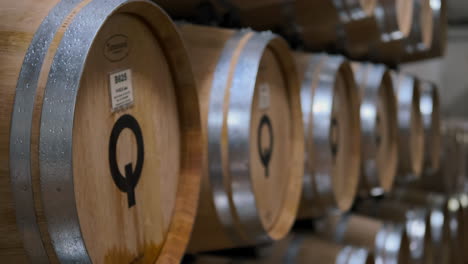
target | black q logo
x=128, y=183
x=265, y=153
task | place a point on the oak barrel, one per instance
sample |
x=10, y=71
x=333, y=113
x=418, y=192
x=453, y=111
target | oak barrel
x=251, y=116
x=303, y=248
x=420, y=37
x=451, y=177
x=458, y=127
x=446, y=221
x=101, y=138
x=394, y=19
x=330, y=112
x=323, y=24
x=430, y=111
x=416, y=219
x=379, y=134
x=387, y=241
x=439, y=34
x=410, y=127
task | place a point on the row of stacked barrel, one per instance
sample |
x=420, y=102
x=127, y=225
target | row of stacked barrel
x=121, y=131
x=406, y=227
x=386, y=31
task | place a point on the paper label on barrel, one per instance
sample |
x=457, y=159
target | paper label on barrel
x=121, y=89
x=264, y=96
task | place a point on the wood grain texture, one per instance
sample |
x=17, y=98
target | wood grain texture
x=271, y=190
x=102, y=207
x=159, y=228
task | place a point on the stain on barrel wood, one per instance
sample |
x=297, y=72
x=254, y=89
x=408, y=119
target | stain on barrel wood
x=416, y=219
x=104, y=151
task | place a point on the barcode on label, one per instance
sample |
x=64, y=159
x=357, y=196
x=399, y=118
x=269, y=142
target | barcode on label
x=264, y=96
x=121, y=89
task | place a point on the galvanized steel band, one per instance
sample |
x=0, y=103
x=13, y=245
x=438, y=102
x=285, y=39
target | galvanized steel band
x=405, y=88
x=21, y=130
x=242, y=205
x=388, y=243
x=56, y=156
x=322, y=106
x=429, y=112
x=369, y=113
x=416, y=231
x=239, y=114
x=218, y=182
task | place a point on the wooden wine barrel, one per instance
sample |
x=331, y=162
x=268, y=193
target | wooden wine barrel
x=451, y=175
x=415, y=218
x=358, y=27
x=357, y=37
x=430, y=111
x=330, y=112
x=306, y=248
x=387, y=241
x=458, y=128
x=249, y=97
x=379, y=134
x=439, y=33
x=324, y=24
x=303, y=248
x=446, y=221
x=394, y=19
x=102, y=159
x=420, y=37
x=417, y=38
x=410, y=126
